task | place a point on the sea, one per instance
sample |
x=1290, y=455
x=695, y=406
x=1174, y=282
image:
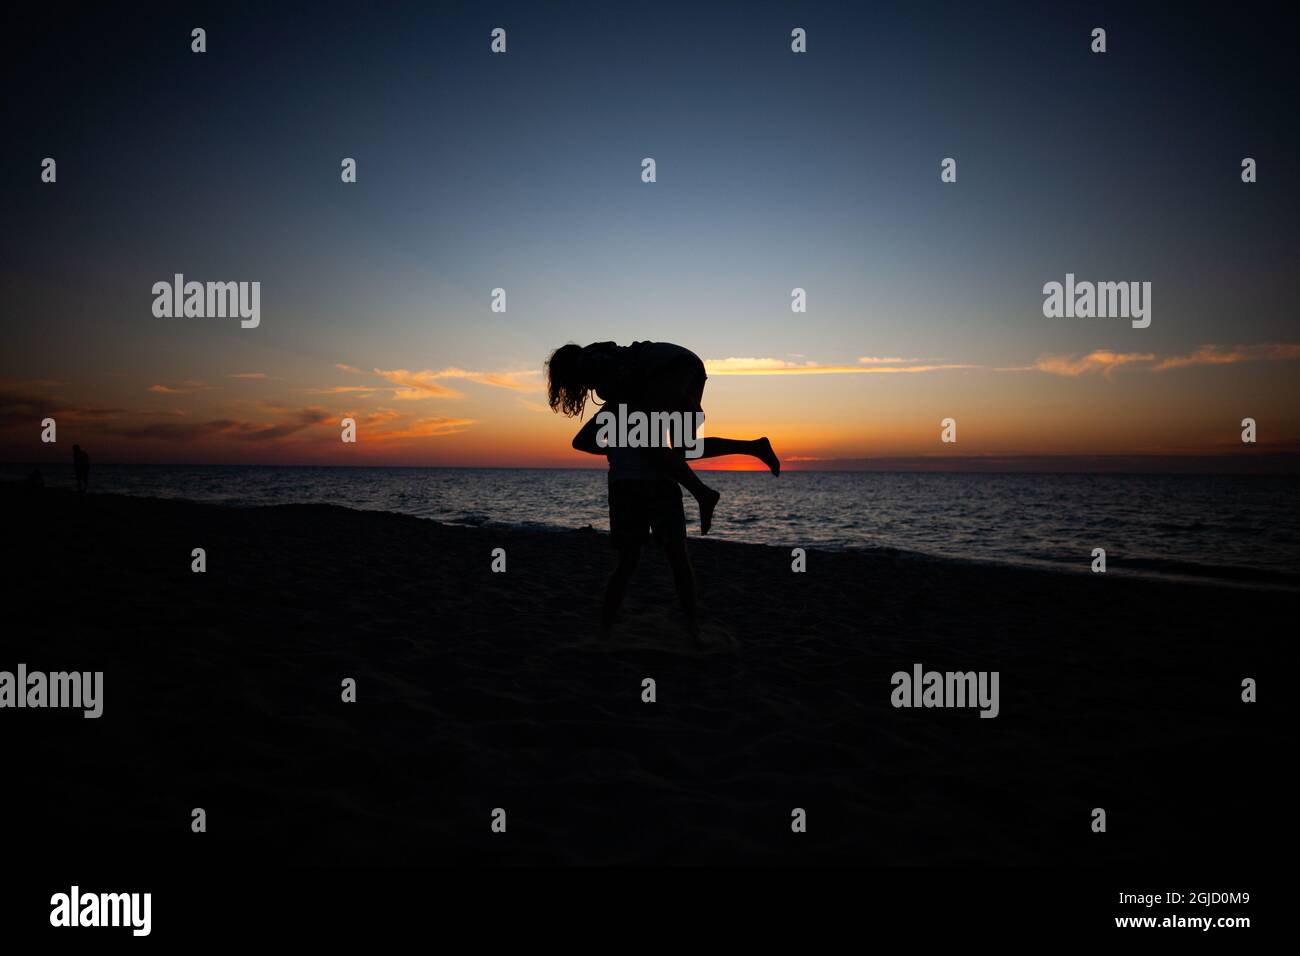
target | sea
x=1230, y=529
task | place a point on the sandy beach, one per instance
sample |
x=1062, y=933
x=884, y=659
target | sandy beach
x=478, y=690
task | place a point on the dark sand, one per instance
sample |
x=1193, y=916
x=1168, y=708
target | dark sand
x=481, y=690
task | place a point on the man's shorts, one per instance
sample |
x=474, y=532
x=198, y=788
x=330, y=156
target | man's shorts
x=638, y=506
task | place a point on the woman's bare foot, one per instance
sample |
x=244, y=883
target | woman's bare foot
x=767, y=456
x=708, y=500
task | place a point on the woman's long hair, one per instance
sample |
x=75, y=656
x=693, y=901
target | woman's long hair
x=566, y=392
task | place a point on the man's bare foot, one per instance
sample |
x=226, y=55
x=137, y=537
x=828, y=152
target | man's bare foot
x=768, y=457
x=708, y=500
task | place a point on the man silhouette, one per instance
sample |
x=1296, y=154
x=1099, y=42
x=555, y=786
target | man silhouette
x=81, y=465
x=642, y=498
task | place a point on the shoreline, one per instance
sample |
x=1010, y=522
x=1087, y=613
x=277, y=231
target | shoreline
x=1235, y=577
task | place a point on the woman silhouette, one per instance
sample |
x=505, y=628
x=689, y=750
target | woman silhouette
x=648, y=377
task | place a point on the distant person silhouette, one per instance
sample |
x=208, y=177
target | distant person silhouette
x=647, y=377
x=81, y=465
x=643, y=498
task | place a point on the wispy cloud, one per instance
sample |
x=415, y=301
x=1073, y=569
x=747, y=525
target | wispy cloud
x=425, y=428
x=426, y=383
x=527, y=380
x=1102, y=360
x=753, y=366
x=248, y=375
x=231, y=428
x=362, y=391
x=17, y=405
x=180, y=388
x=411, y=385
x=1221, y=355
x=945, y=367
x=1106, y=361
x=881, y=360
x=774, y=366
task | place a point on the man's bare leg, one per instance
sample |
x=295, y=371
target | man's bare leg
x=684, y=581
x=616, y=587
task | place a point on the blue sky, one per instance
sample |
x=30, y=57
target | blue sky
x=521, y=171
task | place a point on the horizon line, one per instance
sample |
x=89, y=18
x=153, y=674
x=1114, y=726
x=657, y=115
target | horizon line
x=1270, y=463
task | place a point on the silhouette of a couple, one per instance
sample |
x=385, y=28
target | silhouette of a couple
x=644, y=482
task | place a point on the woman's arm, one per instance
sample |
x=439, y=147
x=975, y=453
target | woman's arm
x=585, y=440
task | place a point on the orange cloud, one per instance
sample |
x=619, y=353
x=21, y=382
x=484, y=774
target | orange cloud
x=426, y=428
x=416, y=384
x=363, y=391
x=1107, y=361
x=181, y=388
x=424, y=384
x=1102, y=360
x=240, y=430
x=520, y=381
x=1218, y=355
x=772, y=366
x=23, y=405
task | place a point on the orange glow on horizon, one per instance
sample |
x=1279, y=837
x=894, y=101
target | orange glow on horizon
x=500, y=419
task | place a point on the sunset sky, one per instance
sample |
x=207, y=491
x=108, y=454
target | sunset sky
x=522, y=171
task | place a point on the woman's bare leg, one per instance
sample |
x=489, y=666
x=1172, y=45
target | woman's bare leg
x=759, y=448
x=684, y=582
x=673, y=460
x=616, y=587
